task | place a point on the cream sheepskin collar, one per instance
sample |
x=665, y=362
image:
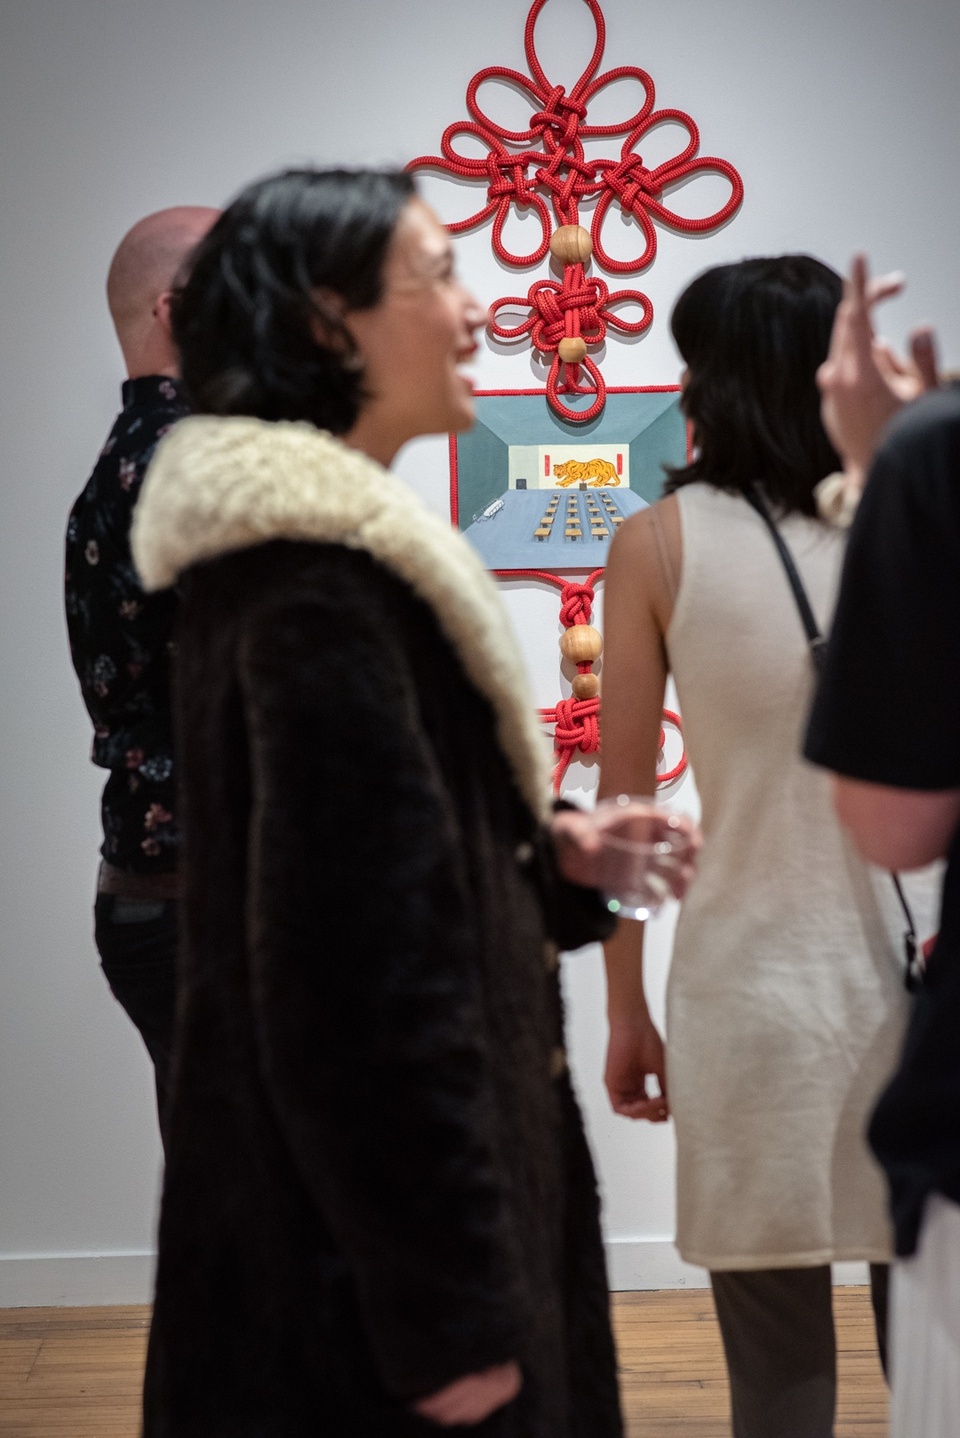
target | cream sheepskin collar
x=220, y=485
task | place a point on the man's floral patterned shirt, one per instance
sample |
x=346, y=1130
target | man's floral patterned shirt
x=121, y=639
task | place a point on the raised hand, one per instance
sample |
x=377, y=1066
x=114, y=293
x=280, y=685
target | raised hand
x=863, y=382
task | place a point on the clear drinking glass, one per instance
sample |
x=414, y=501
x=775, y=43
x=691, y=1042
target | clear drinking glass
x=642, y=855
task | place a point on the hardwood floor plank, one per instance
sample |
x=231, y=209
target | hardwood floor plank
x=76, y=1372
x=17, y=1357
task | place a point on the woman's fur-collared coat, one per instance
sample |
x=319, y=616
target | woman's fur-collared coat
x=377, y=1179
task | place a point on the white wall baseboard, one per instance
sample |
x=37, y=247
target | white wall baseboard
x=649, y=1263
x=66, y=1280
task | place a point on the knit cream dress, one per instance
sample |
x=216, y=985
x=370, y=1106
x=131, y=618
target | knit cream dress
x=785, y=1006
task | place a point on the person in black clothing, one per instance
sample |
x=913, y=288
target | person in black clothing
x=887, y=722
x=120, y=640
x=379, y=1213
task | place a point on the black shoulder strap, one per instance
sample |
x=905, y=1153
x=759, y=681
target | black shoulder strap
x=913, y=973
x=816, y=641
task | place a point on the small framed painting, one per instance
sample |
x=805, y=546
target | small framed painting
x=532, y=492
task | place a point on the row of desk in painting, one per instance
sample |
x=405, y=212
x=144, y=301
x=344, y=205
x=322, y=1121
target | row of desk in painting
x=602, y=515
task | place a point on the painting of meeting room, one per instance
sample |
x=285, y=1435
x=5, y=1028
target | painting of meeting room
x=532, y=492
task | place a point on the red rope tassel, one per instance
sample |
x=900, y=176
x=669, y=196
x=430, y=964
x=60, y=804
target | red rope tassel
x=576, y=722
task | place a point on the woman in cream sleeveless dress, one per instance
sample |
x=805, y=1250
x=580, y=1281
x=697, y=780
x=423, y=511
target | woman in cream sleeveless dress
x=786, y=1004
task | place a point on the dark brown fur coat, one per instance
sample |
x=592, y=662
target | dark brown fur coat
x=377, y=1175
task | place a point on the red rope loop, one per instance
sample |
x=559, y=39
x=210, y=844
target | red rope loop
x=670, y=776
x=555, y=169
x=572, y=385
x=579, y=306
x=530, y=47
x=637, y=190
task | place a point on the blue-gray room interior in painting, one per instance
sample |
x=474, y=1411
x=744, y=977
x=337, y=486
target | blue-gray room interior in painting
x=534, y=492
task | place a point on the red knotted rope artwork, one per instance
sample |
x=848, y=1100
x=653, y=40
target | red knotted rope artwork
x=576, y=721
x=546, y=166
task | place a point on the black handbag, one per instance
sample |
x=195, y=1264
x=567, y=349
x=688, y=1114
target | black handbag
x=817, y=644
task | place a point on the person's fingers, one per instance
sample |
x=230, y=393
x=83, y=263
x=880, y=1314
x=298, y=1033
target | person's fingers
x=482, y=1393
x=624, y=815
x=682, y=825
x=854, y=324
x=836, y=335
x=863, y=292
x=633, y=1099
x=843, y=341
x=582, y=838
x=855, y=286
x=884, y=287
x=460, y=1410
x=654, y=1110
x=889, y=363
x=577, y=846
x=576, y=828
x=680, y=877
x=438, y=1412
x=923, y=352
x=513, y=1382
x=434, y=1409
x=825, y=374
x=622, y=1094
x=471, y=1399
x=858, y=332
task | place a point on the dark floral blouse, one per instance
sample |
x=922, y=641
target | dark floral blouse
x=121, y=639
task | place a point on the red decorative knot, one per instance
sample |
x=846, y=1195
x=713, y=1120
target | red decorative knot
x=576, y=721
x=546, y=166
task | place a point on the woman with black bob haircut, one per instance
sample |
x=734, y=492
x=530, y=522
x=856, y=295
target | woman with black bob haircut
x=751, y=336
x=379, y=1212
x=785, y=1004
x=288, y=259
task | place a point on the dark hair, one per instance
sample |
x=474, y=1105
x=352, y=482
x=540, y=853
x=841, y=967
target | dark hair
x=752, y=336
x=244, y=320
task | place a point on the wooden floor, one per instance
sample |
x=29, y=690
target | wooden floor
x=672, y=1371
x=75, y=1372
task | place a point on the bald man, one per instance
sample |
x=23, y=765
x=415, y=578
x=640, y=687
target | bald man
x=120, y=640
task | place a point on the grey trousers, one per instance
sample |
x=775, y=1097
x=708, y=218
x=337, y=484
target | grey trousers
x=781, y=1351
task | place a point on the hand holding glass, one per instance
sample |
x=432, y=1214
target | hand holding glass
x=646, y=855
x=636, y=853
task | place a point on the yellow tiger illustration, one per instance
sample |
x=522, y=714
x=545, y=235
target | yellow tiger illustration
x=596, y=472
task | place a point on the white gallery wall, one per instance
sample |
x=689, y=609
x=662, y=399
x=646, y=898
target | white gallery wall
x=841, y=115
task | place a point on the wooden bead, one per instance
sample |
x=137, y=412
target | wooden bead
x=571, y=245
x=581, y=644
x=572, y=350
x=585, y=686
